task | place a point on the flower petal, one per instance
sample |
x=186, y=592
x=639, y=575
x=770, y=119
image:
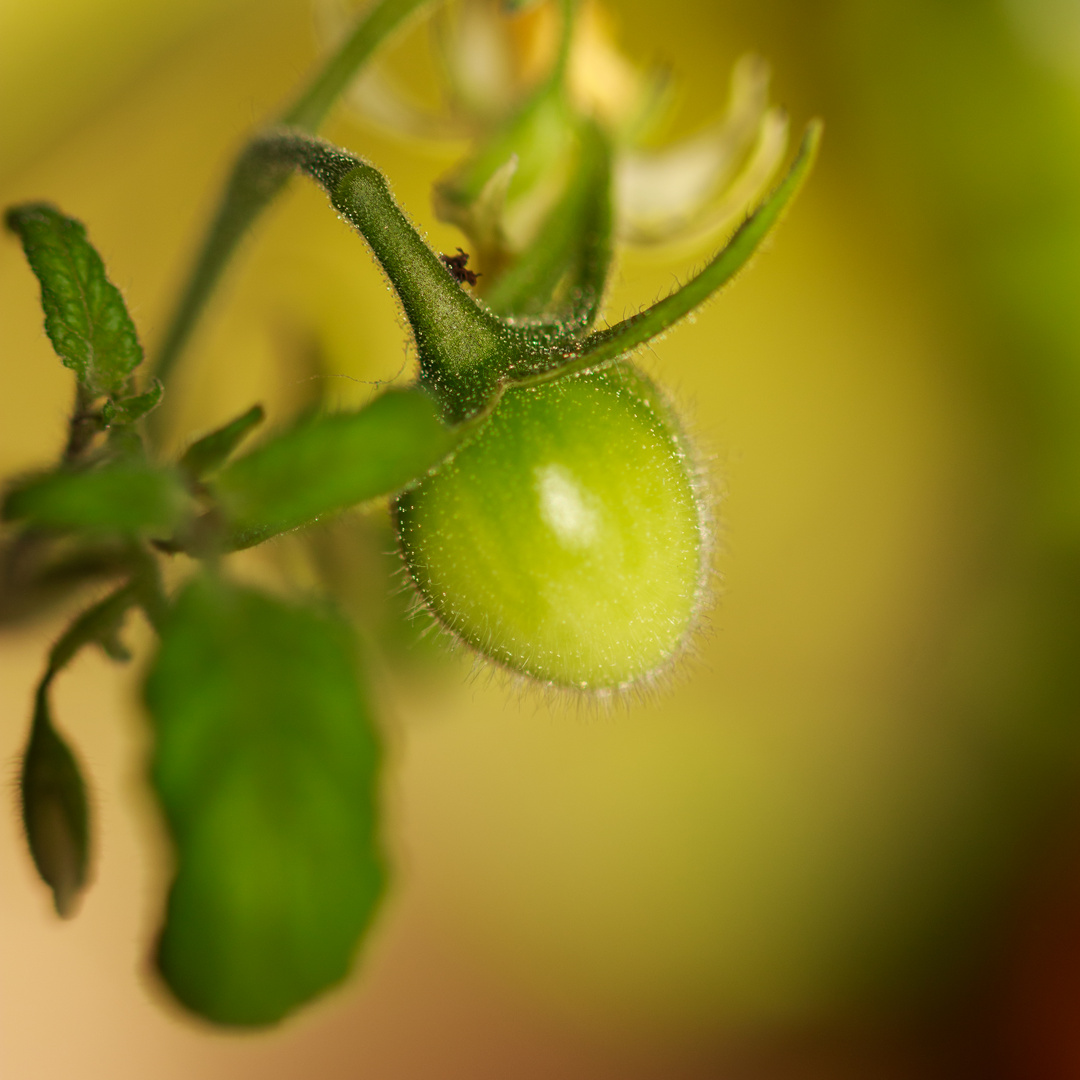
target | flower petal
x=660, y=194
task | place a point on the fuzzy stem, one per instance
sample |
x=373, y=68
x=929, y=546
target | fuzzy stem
x=568, y=12
x=463, y=348
x=89, y=627
x=83, y=425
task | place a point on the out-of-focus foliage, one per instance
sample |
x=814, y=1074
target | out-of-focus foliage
x=328, y=463
x=125, y=497
x=264, y=760
x=55, y=811
x=209, y=453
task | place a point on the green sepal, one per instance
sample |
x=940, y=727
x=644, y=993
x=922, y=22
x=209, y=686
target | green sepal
x=623, y=338
x=494, y=195
x=209, y=453
x=570, y=257
x=265, y=761
x=85, y=316
x=538, y=136
x=526, y=160
x=128, y=497
x=330, y=462
x=55, y=810
x=128, y=410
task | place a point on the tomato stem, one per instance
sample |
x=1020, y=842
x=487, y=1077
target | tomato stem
x=250, y=189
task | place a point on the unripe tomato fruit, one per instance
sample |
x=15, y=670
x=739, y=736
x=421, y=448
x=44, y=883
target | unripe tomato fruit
x=568, y=540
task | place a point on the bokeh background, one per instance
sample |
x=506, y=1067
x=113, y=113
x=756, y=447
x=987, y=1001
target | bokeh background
x=845, y=842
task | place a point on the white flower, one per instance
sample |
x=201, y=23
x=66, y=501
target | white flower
x=494, y=61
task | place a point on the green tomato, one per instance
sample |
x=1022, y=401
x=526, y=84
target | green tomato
x=568, y=540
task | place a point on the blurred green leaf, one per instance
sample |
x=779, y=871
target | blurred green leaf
x=128, y=410
x=326, y=464
x=85, y=316
x=212, y=451
x=55, y=810
x=265, y=761
x=131, y=496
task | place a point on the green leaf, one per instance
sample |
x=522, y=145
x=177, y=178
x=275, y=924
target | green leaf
x=326, y=464
x=265, y=761
x=85, y=316
x=55, y=810
x=128, y=410
x=126, y=497
x=212, y=451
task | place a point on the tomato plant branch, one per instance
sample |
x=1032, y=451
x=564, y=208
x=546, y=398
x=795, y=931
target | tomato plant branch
x=83, y=425
x=251, y=187
x=385, y=17
x=461, y=345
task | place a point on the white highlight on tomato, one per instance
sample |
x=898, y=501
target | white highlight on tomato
x=564, y=506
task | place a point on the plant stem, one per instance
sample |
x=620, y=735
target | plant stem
x=82, y=427
x=91, y=626
x=384, y=18
x=463, y=348
x=251, y=187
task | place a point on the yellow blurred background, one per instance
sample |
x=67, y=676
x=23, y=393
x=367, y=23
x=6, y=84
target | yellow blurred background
x=817, y=852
